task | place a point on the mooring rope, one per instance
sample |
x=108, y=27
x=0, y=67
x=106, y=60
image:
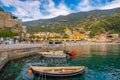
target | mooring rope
x=45, y=76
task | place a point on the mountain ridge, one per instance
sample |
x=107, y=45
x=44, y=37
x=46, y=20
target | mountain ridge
x=75, y=20
x=60, y=16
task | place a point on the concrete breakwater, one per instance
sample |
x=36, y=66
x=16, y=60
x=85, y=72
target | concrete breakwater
x=6, y=56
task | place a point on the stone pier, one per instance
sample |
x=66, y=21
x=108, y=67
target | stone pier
x=10, y=52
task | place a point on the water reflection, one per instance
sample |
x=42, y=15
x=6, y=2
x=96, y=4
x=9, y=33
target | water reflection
x=36, y=78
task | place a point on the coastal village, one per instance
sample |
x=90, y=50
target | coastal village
x=12, y=23
x=76, y=36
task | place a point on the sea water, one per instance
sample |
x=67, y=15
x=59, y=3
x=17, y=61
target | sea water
x=101, y=59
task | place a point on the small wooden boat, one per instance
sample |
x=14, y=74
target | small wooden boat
x=61, y=72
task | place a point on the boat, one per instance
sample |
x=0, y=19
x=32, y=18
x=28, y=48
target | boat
x=58, y=72
x=53, y=54
x=70, y=53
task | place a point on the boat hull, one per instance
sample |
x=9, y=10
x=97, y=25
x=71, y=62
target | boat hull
x=74, y=74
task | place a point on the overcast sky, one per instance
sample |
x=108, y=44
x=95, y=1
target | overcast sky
x=41, y=9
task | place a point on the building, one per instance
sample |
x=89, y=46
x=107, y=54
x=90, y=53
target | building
x=108, y=37
x=113, y=37
x=101, y=37
x=8, y=21
x=12, y=23
x=67, y=31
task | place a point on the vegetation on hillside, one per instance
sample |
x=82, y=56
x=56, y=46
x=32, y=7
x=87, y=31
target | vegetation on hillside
x=7, y=33
x=109, y=25
x=92, y=23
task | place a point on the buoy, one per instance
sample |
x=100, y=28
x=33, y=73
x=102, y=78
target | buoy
x=29, y=71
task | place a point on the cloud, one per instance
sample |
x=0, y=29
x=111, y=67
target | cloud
x=111, y=5
x=41, y=9
x=30, y=9
x=27, y=10
x=54, y=11
x=87, y=5
x=84, y=5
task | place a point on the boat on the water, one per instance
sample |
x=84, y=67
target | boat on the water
x=58, y=72
x=70, y=53
x=53, y=54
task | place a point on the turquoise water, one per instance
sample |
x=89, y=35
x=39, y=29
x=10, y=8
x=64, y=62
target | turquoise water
x=102, y=61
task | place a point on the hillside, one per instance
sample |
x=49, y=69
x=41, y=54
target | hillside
x=109, y=24
x=9, y=26
x=96, y=21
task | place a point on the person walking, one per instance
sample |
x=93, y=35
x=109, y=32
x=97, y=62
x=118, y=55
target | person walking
x=1, y=40
x=14, y=40
x=9, y=41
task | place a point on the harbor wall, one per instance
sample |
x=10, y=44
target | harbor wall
x=6, y=56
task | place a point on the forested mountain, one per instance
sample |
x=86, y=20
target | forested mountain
x=96, y=22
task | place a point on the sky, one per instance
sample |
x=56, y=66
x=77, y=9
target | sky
x=28, y=10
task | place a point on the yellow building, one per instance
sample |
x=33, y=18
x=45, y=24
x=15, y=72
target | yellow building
x=46, y=35
x=68, y=31
x=74, y=35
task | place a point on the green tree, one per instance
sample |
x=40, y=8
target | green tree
x=7, y=33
